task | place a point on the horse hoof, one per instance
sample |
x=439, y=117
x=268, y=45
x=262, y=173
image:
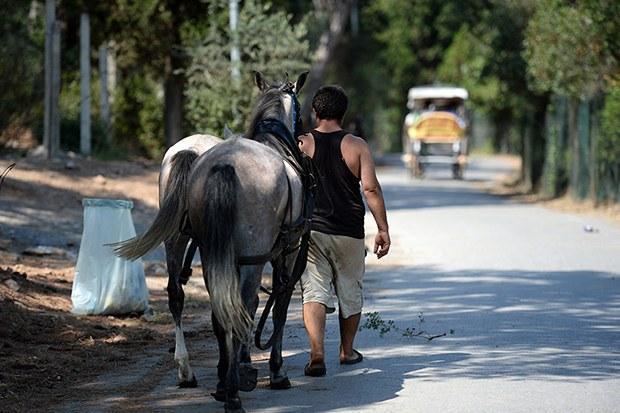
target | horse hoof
x=219, y=395
x=233, y=405
x=281, y=383
x=248, y=377
x=188, y=384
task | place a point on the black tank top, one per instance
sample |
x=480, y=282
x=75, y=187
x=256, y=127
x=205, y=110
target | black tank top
x=339, y=209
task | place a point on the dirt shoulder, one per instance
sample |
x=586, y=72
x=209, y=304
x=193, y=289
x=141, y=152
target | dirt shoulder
x=46, y=352
x=508, y=186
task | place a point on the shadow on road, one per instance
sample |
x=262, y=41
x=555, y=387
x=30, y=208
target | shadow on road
x=514, y=324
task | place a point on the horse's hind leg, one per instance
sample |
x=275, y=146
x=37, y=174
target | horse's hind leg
x=250, y=282
x=175, y=252
x=227, y=369
x=278, y=379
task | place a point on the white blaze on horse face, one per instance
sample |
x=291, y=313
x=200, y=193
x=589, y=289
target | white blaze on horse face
x=289, y=109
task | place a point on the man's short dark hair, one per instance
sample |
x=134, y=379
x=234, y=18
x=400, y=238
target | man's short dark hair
x=330, y=102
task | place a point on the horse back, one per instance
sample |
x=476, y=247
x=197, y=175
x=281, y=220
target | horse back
x=262, y=185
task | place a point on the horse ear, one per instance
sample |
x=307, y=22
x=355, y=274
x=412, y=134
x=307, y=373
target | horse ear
x=300, y=81
x=227, y=132
x=260, y=81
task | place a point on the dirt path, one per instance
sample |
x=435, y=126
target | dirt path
x=46, y=353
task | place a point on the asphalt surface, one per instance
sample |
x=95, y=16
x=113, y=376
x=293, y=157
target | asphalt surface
x=528, y=299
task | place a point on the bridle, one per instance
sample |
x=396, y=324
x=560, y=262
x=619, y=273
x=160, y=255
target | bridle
x=289, y=89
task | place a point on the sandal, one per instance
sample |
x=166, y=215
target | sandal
x=358, y=358
x=315, y=370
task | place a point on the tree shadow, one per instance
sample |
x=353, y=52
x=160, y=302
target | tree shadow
x=554, y=324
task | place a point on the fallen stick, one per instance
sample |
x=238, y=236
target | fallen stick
x=5, y=173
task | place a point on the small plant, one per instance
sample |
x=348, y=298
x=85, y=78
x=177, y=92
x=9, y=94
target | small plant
x=373, y=321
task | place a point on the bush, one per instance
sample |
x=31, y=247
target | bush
x=608, y=151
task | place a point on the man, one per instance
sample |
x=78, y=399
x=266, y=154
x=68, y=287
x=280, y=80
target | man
x=337, y=251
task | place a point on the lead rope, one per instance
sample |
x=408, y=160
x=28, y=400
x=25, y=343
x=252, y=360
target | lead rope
x=285, y=291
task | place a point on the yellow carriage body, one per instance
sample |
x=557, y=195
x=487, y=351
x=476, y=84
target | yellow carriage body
x=435, y=131
x=437, y=127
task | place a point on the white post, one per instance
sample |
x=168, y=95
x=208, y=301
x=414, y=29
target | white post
x=105, y=100
x=235, y=56
x=85, y=133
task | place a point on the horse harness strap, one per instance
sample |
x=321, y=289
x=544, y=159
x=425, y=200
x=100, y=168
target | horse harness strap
x=287, y=241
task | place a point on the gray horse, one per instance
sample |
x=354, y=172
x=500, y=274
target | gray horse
x=236, y=197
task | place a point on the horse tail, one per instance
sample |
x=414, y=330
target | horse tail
x=168, y=219
x=220, y=262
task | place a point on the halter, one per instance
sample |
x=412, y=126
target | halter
x=289, y=88
x=286, y=142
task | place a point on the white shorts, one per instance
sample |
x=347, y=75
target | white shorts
x=335, y=265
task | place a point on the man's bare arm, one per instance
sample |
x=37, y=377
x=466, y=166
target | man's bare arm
x=374, y=198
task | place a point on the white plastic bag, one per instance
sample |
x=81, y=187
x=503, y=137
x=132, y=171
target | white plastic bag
x=105, y=283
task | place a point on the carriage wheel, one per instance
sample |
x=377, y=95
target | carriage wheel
x=418, y=170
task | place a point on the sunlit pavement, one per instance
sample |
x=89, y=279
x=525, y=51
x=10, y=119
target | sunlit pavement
x=529, y=303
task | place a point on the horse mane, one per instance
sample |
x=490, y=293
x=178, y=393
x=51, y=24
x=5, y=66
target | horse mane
x=269, y=106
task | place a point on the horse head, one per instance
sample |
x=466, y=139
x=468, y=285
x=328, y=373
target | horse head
x=286, y=93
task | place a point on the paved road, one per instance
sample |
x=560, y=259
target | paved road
x=529, y=302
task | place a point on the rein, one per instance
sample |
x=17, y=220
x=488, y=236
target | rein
x=286, y=145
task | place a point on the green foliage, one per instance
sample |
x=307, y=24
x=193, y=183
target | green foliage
x=565, y=50
x=268, y=42
x=21, y=66
x=465, y=64
x=401, y=45
x=608, y=155
x=139, y=108
x=373, y=321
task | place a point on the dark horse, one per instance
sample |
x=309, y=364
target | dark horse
x=240, y=203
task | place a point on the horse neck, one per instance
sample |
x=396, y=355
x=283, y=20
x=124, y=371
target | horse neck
x=271, y=110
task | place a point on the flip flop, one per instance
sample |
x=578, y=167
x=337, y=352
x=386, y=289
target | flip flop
x=316, y=370
x=358, y=358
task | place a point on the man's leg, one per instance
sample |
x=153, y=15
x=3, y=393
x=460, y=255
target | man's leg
x=314, y=320
x=348, y=329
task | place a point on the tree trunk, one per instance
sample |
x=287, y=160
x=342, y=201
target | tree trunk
x=534, y=142
x=502, y=121
x=573, y=139
x=174, y=82
x=173, y=109
x=85, y=127
x=339, y=13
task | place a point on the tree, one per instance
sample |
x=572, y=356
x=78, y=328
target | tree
x=571, y=50
x=21, y=69
x=565, y=51
x=338, y=13
x=268, y=42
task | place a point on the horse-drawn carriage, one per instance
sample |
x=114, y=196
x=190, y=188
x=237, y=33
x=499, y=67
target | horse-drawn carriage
x=435, y=129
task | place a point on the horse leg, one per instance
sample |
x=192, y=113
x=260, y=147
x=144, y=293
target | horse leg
x=250, y=277
x=278, y=379
x=227, y=389
x=222, y=365
x=175, y=251
x=231, y=351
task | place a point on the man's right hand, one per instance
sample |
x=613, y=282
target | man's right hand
x=382, y=244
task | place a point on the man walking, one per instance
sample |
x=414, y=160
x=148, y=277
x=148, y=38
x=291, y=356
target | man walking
x=337, y=251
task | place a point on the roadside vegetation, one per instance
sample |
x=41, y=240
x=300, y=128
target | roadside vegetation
x=543, y=76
